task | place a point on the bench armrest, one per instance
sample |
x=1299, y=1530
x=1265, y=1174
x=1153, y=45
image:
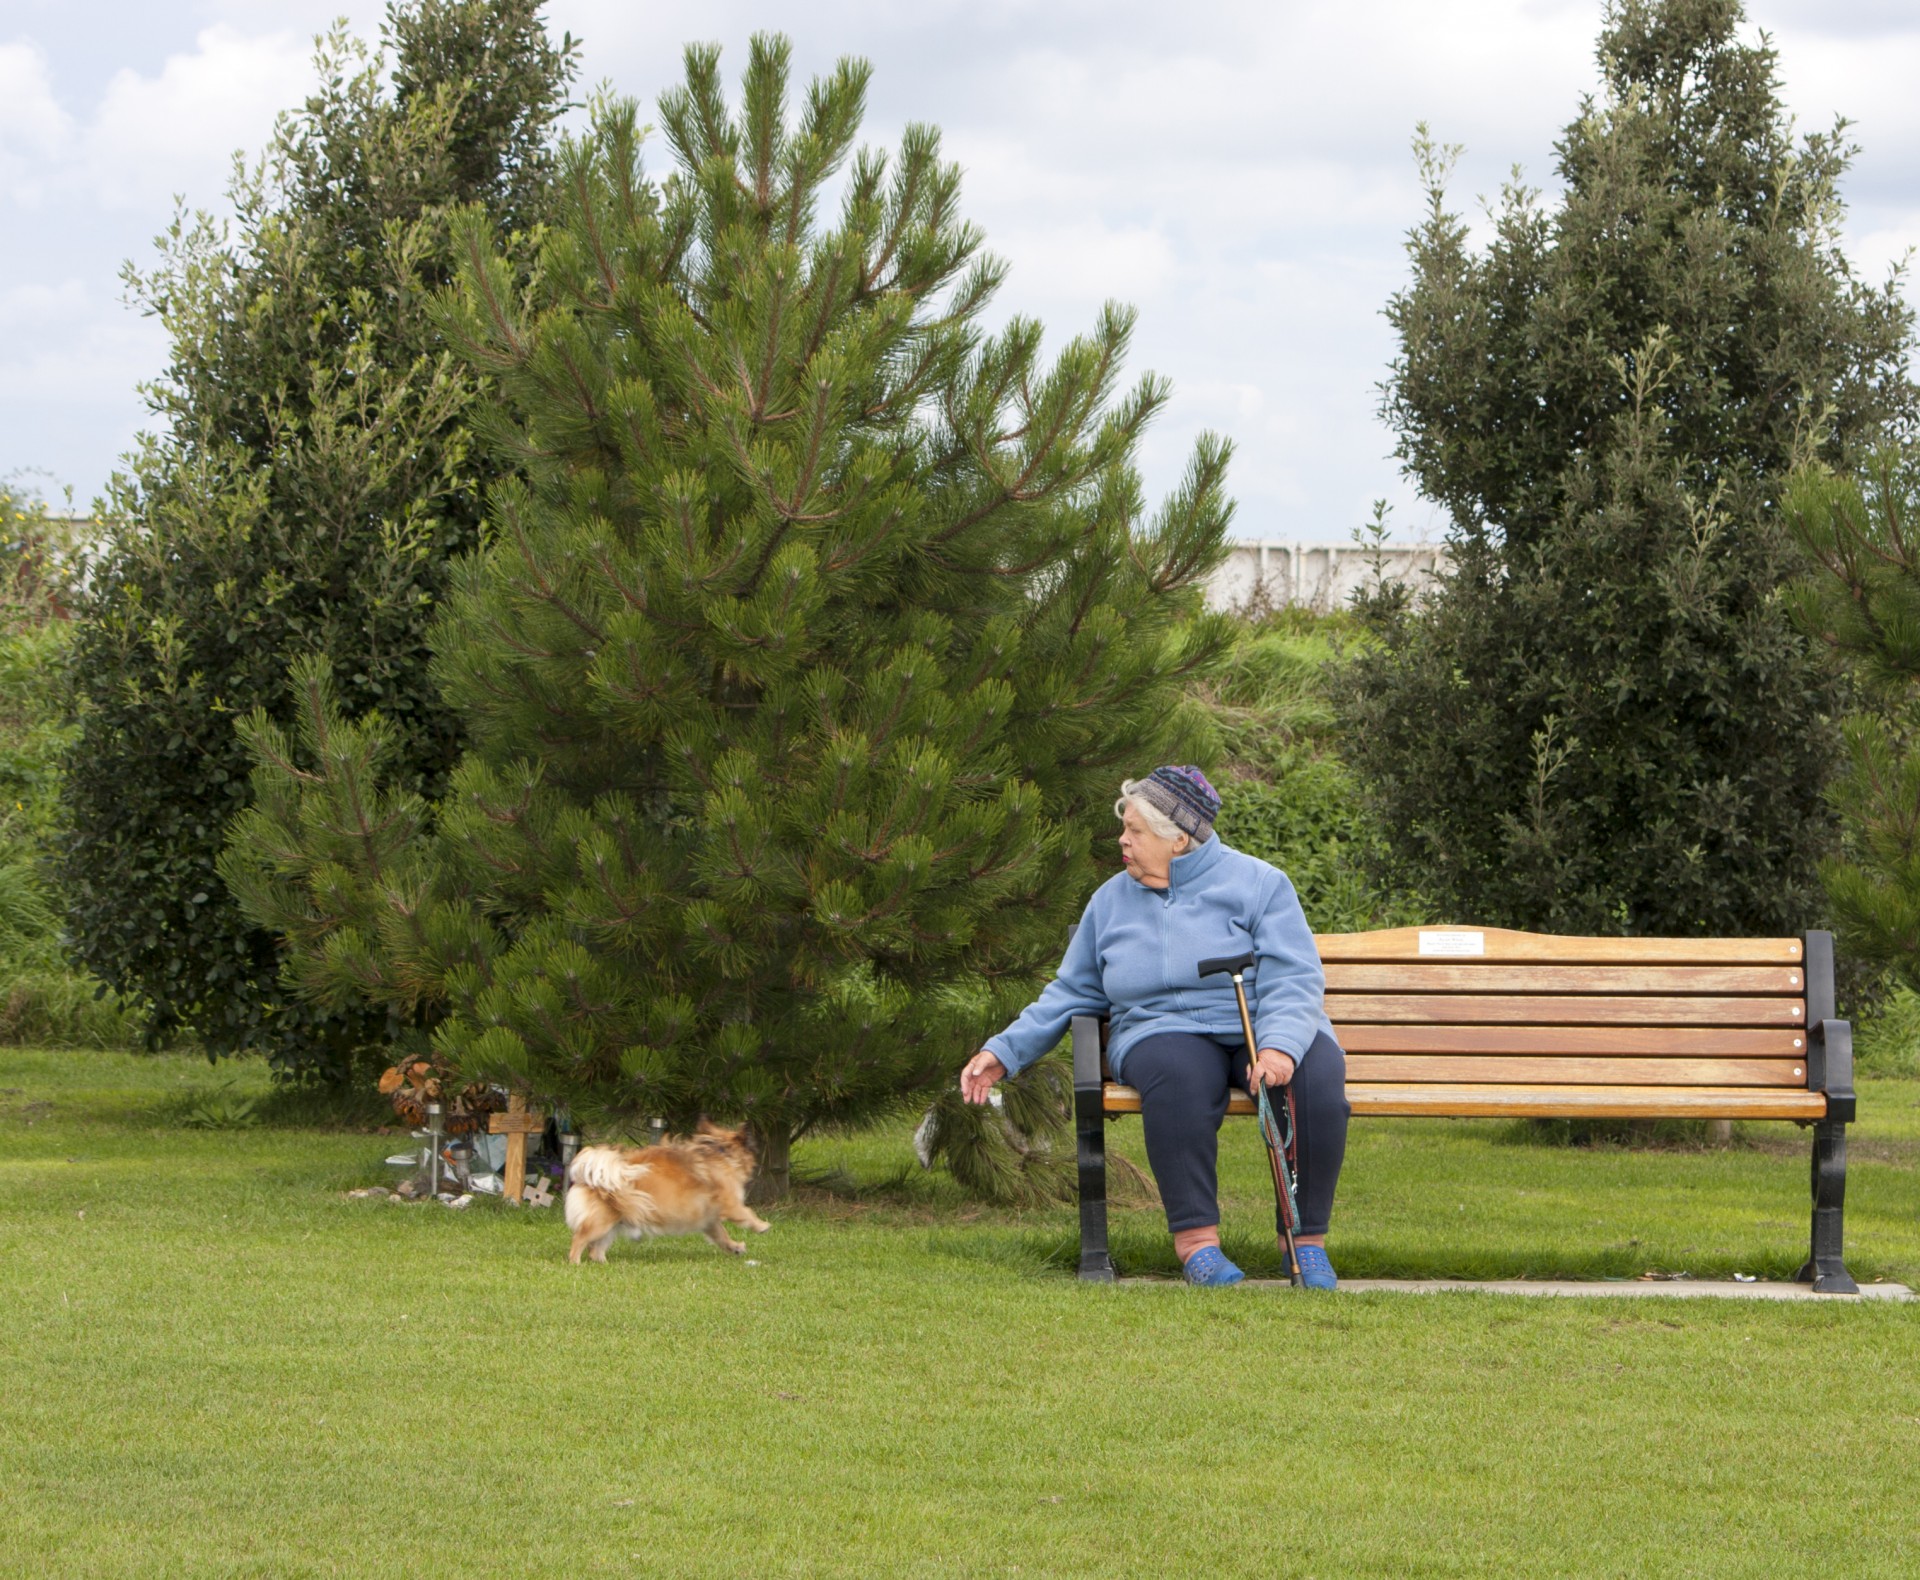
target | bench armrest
x=1086, y=1053
x=1830, y=1067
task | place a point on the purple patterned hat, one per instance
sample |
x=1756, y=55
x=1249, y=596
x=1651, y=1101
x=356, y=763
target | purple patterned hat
x=1184, y=795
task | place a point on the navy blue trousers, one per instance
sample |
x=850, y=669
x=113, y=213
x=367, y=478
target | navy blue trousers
x=1184, y=1080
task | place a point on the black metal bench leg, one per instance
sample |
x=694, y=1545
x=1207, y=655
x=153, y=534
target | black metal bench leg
x=1829, y=1071
x=1825, y=1269
x=1089, y=1122
x=1096, y=1265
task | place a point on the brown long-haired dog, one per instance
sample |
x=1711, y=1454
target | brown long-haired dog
x=695, y=1186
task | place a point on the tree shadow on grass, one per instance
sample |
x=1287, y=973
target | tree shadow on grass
x=1617, y=1135
x=1143, y=1249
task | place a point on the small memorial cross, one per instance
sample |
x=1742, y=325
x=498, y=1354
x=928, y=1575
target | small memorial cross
x=516, y=1124
x=539, y=1192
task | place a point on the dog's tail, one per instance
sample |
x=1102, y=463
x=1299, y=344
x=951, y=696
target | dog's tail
x=599, y=1168
x=607, y=1173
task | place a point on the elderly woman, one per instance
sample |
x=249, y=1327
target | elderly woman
x=1184, y=897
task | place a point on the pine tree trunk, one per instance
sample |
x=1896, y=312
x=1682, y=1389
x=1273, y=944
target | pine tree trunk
x=775, y=1176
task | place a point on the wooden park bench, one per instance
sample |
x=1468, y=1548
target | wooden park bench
x=1482, y=1022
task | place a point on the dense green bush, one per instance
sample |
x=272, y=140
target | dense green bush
x=1887, y=1041
x=312, y=478
x=42, y=999
x=1603, y=720
x=1861, y=598
x=1287, y=793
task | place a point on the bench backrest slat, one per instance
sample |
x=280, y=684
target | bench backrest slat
x=1432, y=976
x=1699, y=1042
x=1499, y=945
x=1454, y=1009
x=1575, y=1071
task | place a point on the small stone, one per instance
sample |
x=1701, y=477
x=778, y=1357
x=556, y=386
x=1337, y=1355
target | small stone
x=458, y=1202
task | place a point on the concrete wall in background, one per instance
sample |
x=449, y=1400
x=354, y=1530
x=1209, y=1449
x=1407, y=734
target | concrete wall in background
x=1321, y=576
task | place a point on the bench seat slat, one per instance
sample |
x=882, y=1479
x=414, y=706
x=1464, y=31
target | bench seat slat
x=1538, y=1009
x=1388, y=1100
x=1500, y=944
x=1596, y=1102
x=1561, y=1069
x=1694, y=1042
x=1434, y=976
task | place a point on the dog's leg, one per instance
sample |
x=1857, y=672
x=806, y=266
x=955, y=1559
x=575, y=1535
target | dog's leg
x=717, y=1233
x=587, y=1238
x=734, y=1209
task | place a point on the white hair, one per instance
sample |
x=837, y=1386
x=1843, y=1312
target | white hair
x=1157, y=821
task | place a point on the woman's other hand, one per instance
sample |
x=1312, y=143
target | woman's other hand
x=978, y=1078
x=1272, y=1067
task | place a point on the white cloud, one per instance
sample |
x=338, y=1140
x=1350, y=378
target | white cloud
x=1238, y=169
x=1080, y=259
x=31, y=118
x=1876, y=253
x=96, y=182
x=177, y=131
x=35, y=305
x=34, y=129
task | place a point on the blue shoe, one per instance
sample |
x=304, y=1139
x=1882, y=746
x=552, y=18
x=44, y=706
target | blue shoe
x=1209, y=1268
x=1316, y=1272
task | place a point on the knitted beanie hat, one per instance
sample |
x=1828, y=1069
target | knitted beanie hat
x=1184, y=795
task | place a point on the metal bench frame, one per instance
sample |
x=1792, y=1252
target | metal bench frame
x=1829, y=1072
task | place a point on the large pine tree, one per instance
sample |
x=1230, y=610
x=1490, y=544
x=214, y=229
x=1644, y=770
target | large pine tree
x=802, y=669
x=311, y=478
x=1603, y=720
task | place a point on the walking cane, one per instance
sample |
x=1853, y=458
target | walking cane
x=1280, y=1141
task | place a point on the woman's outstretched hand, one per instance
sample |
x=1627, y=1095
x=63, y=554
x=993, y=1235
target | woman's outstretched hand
x=978, y=1078
x=1271, y=1067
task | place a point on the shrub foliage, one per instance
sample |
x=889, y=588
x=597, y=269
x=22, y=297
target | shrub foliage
x=312, y=478
x=1862, y=539
x=42, y=999
x=1603, y=720
x=1287, y=793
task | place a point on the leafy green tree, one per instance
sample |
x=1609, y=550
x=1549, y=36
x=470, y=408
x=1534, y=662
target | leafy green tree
x=1287, y=793
x=1863, y=602
x=1603, y=720
x=800, y=673
x=38, y=556
x=42, y=1000
x=312, y=479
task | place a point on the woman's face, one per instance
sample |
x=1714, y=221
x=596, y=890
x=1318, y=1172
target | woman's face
x=1148, y=856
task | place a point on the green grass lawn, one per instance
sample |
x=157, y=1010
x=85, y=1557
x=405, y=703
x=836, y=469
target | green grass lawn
x=217, y=1364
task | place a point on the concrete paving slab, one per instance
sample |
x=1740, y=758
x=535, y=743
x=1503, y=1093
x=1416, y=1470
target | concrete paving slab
x=1663, y=1288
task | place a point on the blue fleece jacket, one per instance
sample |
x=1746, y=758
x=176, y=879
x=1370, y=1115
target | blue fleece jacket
x=1136, y=950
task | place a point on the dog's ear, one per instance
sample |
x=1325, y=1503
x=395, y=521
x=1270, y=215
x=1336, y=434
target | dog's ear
x=706, y=1127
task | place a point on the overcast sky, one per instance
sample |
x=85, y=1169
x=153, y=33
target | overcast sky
x=1240, y=172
